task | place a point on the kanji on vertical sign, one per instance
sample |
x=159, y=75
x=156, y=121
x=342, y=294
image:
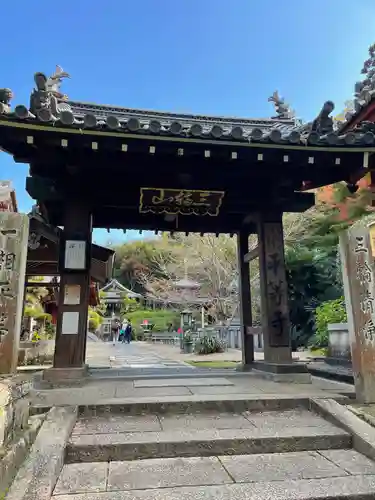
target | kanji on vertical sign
x=276, y=286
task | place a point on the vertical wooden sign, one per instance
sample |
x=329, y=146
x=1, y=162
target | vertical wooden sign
x=14, y=232
x=359, y=285
x=274, y=286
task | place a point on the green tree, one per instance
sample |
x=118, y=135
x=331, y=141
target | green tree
x=136, y=260
x=332, y=311
x=95, y=320
x=313, y=277
x=34, y=307
x=129, y=306
x=160, y=318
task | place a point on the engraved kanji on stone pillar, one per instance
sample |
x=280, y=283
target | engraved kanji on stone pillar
x=274, y=288
x=359, y=285
x=14, y=231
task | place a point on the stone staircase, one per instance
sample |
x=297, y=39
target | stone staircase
x=267, y=449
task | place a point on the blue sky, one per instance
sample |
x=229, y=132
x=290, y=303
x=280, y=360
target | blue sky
x=200, y=56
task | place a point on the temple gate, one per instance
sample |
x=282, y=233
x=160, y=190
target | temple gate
x=99, y=166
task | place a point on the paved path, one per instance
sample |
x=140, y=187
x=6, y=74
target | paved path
x=134, y=358
x=156, y=456
x=173, y=352
x=153, y=355
x=116, y=389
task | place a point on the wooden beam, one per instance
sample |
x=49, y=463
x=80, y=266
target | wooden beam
x=46, y=255
x=44, y=284
x=245, y=298
x=100, y=271
x=253, y=254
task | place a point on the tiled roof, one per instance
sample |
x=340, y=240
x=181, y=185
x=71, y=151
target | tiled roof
x=115, y=285
x=187, y=284
x=49, y=107
x=196, y=127
x=186, y=125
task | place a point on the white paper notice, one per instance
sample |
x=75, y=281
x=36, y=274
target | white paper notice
x=70, y=323
x=75, y=254
x=72, y=295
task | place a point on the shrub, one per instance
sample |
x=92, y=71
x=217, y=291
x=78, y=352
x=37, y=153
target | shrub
x=209, y=345
x=141, y=336
x=39, y=359
x=50, y=330
x=332, y=311
x=95, y=320
x=160, y=318
x=36, y=337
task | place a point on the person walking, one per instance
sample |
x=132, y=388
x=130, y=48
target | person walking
x=123, y=330
x=128, y=332
x=115, y=327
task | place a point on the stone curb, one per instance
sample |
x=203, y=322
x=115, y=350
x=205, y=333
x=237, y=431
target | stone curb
x=15, y=456
x=119, y=447
x=363, y=434
x=38, y=476
x=182, y=404
x=171, y=404
x=363, y=415
x=344, y=488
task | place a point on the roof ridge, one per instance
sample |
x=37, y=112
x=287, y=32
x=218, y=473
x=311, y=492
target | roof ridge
x=114, y=281
x=171, y=114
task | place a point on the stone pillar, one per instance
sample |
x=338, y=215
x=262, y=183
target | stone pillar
x=247, y=341
x=73, y=300
x=358, y=268
x=14, y=233
x=274, y=303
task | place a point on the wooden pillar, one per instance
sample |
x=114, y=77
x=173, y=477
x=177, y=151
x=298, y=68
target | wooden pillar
x=245, y=298
x=274, y=290
x=73, y=301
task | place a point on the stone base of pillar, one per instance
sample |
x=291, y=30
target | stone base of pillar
x=280, y=372
x=65, y=376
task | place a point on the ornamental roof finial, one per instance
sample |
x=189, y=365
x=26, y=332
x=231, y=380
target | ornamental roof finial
x=6, y=95
x=283, y=110
x=46, y=97
x=323, y=123
x=55, y=80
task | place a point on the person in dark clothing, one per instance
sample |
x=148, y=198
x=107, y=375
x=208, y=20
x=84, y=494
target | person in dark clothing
x=128, y=332
x=115, y=328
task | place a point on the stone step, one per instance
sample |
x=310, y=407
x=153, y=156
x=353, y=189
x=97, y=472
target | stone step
x=132, y=437
x=334, y=474
x=173, y=404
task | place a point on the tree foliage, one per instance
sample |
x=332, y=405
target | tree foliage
x=136, y=259
x=161, y=319
x=95, y=320
x=332, y=311
x=34, y=296
x=313, y=278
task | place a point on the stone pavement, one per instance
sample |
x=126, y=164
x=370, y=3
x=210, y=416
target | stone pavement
x=154, y=428
x=254, y=449
x=200, y=437
x=133, y=355
x=172, y=454
x=336, y=372
x=172, y=352
x=137, y=372
x=244, y=385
